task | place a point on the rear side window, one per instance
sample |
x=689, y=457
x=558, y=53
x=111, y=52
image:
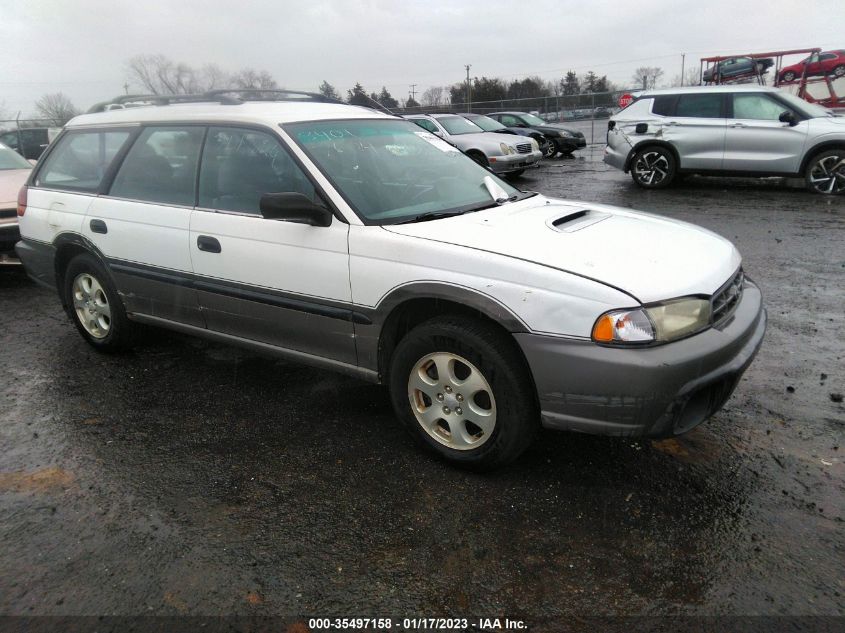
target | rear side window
x=704, y=106
x=426, y=125
x=664, y=105
x=80, y=160
x=240, y=165
x=161, y=166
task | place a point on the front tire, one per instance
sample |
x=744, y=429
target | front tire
x=839, y=71
x=462, y=389
x=95, y=307
x=788, y=76
x=551, y=150
x=825, y=173
x=653, y=168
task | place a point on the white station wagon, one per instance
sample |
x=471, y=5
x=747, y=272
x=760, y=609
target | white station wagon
x=353, y=240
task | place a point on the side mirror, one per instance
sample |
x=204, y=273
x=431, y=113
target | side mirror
x=788, y=117
x=294, y=207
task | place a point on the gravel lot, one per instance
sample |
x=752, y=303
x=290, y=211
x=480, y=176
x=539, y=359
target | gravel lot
x=193, y=478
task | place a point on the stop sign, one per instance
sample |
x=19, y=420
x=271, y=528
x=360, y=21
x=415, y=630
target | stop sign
x=626, y=100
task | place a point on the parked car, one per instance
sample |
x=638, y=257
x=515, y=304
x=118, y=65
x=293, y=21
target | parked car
x=29, y=142
x=352, y=240
x=14, y=170
x=501, y=153
x=727, y=130
x=492, y=125
x=601, y=112
x=816, y=65
x=737, y=67
x=565, y=140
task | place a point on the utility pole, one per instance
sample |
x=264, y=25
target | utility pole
x=645, y=82
x=126, y=88
x=469, y=89
x=683, y=60
x=413, y=92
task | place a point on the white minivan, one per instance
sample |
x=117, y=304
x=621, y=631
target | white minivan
x=353, y=240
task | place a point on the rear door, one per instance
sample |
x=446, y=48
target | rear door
x=271, y=281
x=757, y=141
x=695, y=126
x=141, y=225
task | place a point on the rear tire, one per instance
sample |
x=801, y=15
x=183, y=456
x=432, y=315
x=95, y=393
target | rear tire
x=95, y=307
x=653, y=167
x=825, y=173
x=463, y=391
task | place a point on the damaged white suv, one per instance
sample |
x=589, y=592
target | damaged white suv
x=346, y=238
x=727, y=131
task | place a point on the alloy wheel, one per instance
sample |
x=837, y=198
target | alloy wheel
x=452, y=401
x=828, y=174
x=651, y=168
x=91, y=305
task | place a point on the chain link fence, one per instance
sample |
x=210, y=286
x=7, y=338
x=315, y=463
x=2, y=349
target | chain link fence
x=585, y=112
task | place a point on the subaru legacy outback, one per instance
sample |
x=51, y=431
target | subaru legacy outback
x=355, y=241
x=729, y=131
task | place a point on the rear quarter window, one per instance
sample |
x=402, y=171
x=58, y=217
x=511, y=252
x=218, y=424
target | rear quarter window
x=81, y=159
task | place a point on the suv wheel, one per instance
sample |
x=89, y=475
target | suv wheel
x=826, y=172
x=653, y=167
x=462, y=389
x=94, y=305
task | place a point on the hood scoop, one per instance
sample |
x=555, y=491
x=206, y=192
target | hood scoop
x=576, y=220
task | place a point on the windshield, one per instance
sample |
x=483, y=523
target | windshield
x=486, y=123
x=391, y=171
x=804, y=107
x=532, y=120
x=458, y=125
x=10, y=159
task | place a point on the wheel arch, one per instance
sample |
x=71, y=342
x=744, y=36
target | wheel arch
x=817, y=149
x=68, y=246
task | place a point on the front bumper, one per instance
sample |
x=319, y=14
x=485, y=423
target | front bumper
x=653, y=391
x=514, y=162
x=567, y=144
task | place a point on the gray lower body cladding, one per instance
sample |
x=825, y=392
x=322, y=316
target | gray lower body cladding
x=655, y=391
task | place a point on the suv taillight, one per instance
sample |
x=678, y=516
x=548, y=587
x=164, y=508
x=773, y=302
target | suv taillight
x=22, y=201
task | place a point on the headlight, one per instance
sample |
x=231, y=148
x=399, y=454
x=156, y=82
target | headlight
x=535, y=145
x=667, y=321
x=506, y=149
x=566, y=134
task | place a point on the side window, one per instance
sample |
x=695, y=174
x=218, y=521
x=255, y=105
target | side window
x=80, y=160
x=427, y=125
x=705, y=106
x=760, y=107
x=509, y=120
x=664, y=105
x=161, y=166
x=239, y=166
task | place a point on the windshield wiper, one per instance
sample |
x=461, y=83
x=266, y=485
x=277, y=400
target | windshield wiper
x=431, y=215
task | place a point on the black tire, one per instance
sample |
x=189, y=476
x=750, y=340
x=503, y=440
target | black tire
x=498, y=361
x=825, y=173
x=653, y=167
x=551, y=150
x=788, y=76
x=839, y=71
x=120, y=332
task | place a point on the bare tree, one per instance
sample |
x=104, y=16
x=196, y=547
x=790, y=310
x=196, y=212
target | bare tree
x=56, y=108
x=647, y=76
x=692, y=77
x=250, y=79
x=433, y=96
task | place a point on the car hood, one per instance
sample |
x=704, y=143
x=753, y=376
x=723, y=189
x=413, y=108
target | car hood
x=11, y=181
x=649, y=257
x=556, y=126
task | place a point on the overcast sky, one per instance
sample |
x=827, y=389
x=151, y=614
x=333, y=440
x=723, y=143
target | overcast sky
x=80, y=47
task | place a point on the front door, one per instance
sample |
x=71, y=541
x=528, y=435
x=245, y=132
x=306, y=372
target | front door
x=757, y=141
x=271, y=281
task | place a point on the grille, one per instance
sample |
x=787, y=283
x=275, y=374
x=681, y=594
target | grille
x=724, y=302
x=524, y=148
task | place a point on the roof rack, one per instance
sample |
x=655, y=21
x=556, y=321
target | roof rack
x=225, y=96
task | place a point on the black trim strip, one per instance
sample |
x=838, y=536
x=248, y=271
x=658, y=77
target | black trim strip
x=228, y=289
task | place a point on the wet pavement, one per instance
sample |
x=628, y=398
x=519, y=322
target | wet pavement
x=192, y=478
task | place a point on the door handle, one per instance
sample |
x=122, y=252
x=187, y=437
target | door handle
x=737, y=124
x=672, y=123
x=98, y=226
x=208, y=244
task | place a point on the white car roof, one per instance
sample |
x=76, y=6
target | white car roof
x=705, y=89
x=266, y=112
